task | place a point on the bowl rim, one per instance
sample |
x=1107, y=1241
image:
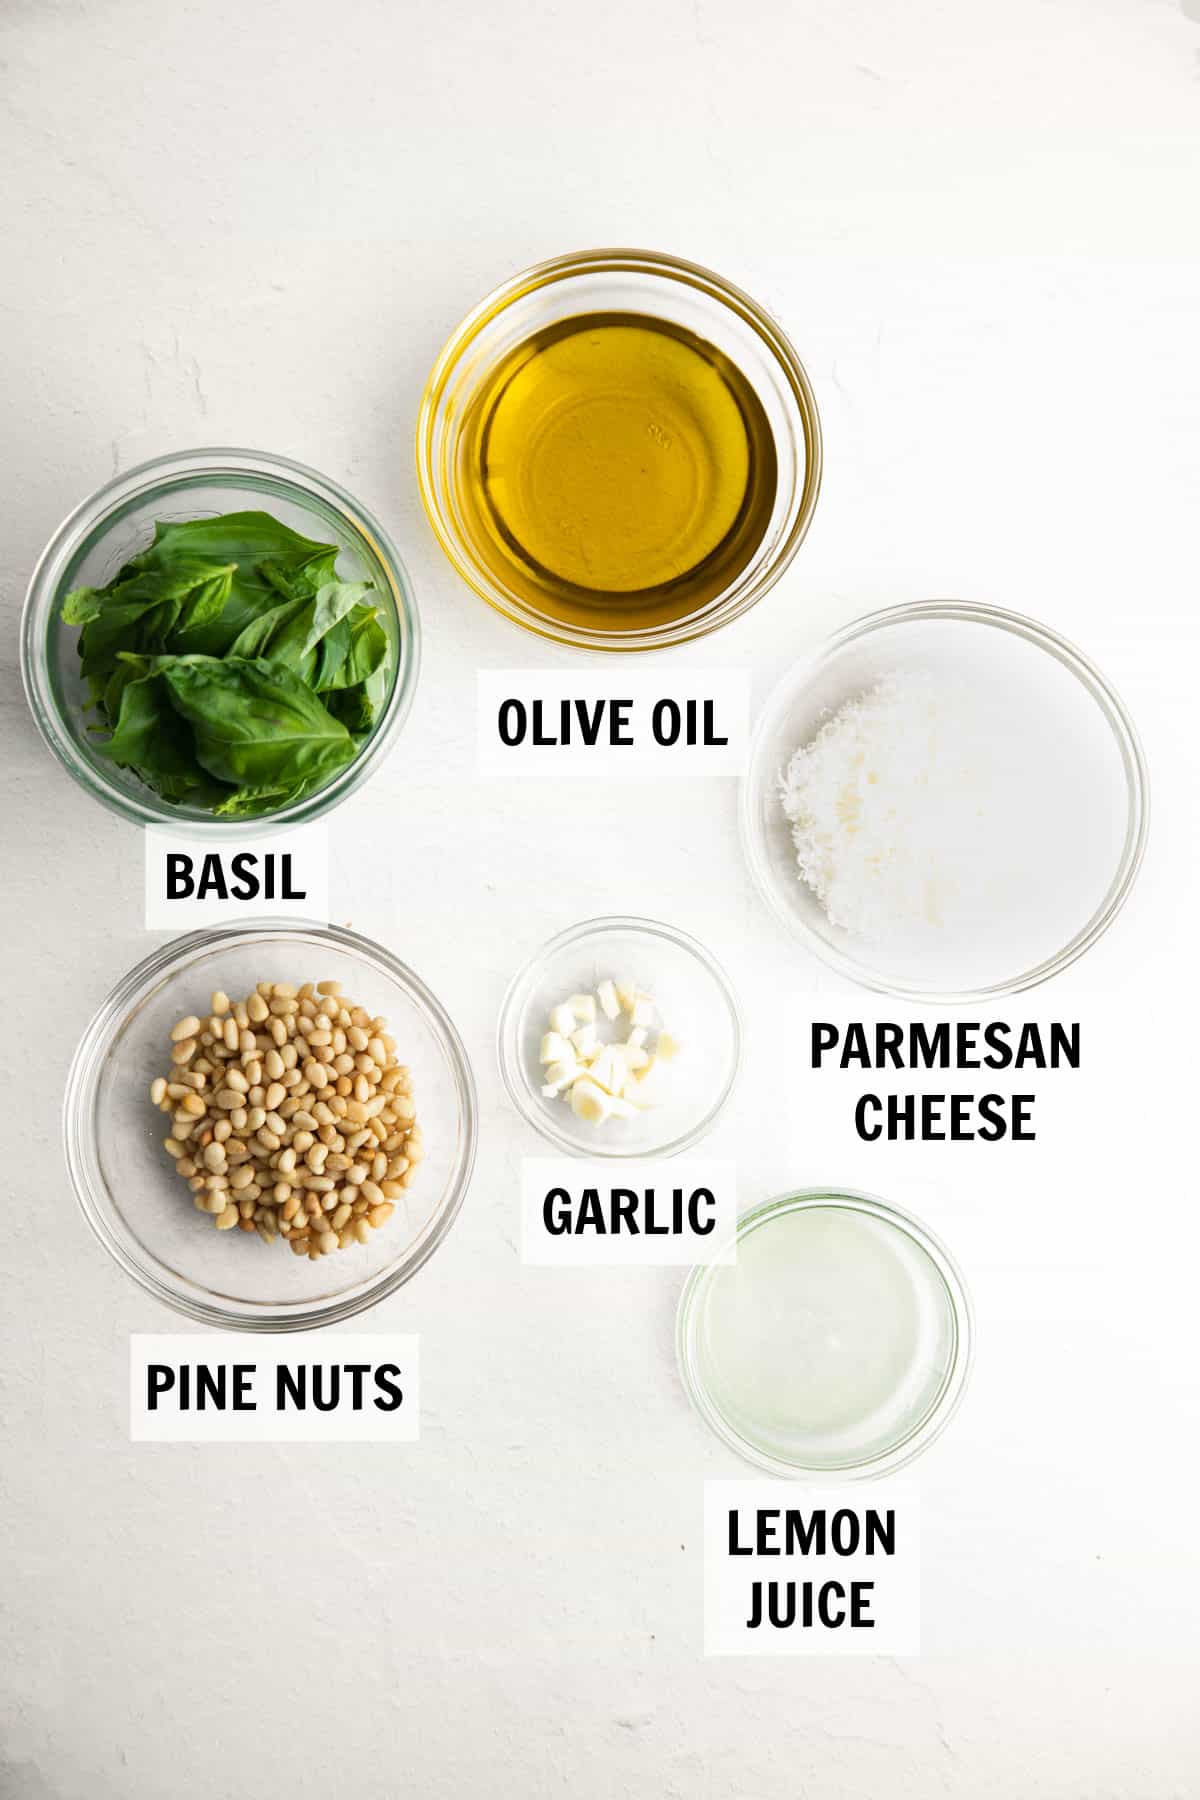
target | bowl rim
x=509, y=1061
x=941, y=1409
x=78, y=1138
x=1103, y=693
x=620, y=260
x=138, y=483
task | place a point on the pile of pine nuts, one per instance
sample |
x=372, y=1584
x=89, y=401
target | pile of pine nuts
x=290, y=1116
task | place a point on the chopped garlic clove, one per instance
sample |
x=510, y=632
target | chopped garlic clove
x=585, y=1042
x=590, y=1102
x=637, y=1037
x=610, y=1006
x=555, y=1048
x=627, y=995
x=635, y=1058
x=622, y=1109
x=562, y=1019
x=608, y=1070
x=642, y=1011
x=584, y=1007
x=666, y=1048
x=564, y=1072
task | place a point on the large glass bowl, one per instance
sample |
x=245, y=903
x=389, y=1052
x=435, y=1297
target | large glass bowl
x=1073, y=772
x=116, y=522
x=142, y=1211
x=623, y=281
x=836, y=1347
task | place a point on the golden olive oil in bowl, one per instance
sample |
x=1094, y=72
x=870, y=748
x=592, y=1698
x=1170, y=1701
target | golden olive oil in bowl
x=619, y=451
x=617, y=471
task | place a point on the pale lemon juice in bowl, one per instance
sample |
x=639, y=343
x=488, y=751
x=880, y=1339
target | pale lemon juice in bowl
x=837, y=1343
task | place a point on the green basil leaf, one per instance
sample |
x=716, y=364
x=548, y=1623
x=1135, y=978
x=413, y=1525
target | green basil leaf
x=255, y=723
x=142, y=613
x=154, y=741
x=367, y=650
x=257, y=637
x=333, y=601
x=82, y=605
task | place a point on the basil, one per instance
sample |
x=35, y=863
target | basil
x=231, y=667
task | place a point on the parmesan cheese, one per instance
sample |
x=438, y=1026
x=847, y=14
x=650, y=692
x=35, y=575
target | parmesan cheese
x=898, y=813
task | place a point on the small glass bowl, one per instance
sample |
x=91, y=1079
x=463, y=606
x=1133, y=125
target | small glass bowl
x=917, y=1371
x=116, y=522
x=625, y=281
x=696, y=1005
x=1071, y=738
x=142, y=1211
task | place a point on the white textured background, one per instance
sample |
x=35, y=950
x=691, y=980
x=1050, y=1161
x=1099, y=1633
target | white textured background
x=255, y=223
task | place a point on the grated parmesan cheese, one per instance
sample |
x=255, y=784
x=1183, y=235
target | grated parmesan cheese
x=892, y=809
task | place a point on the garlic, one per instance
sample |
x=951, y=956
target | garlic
x=603, y=1077
x=590, y=1102
x=608, y=1070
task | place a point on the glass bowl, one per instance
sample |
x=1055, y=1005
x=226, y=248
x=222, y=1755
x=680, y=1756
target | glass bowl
x=142, y=1211
x=837, y=1346
x=1072, y=783
x=116, y=522
x=623, y=281
x=696, y=1005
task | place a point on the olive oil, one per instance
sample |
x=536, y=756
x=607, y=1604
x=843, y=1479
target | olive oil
x=617, y=472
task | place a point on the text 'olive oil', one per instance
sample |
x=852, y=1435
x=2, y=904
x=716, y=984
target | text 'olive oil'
x=617, y=472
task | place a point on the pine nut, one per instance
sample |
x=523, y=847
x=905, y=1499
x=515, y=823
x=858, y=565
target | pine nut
x=379, y=1215
x=158, y=1090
